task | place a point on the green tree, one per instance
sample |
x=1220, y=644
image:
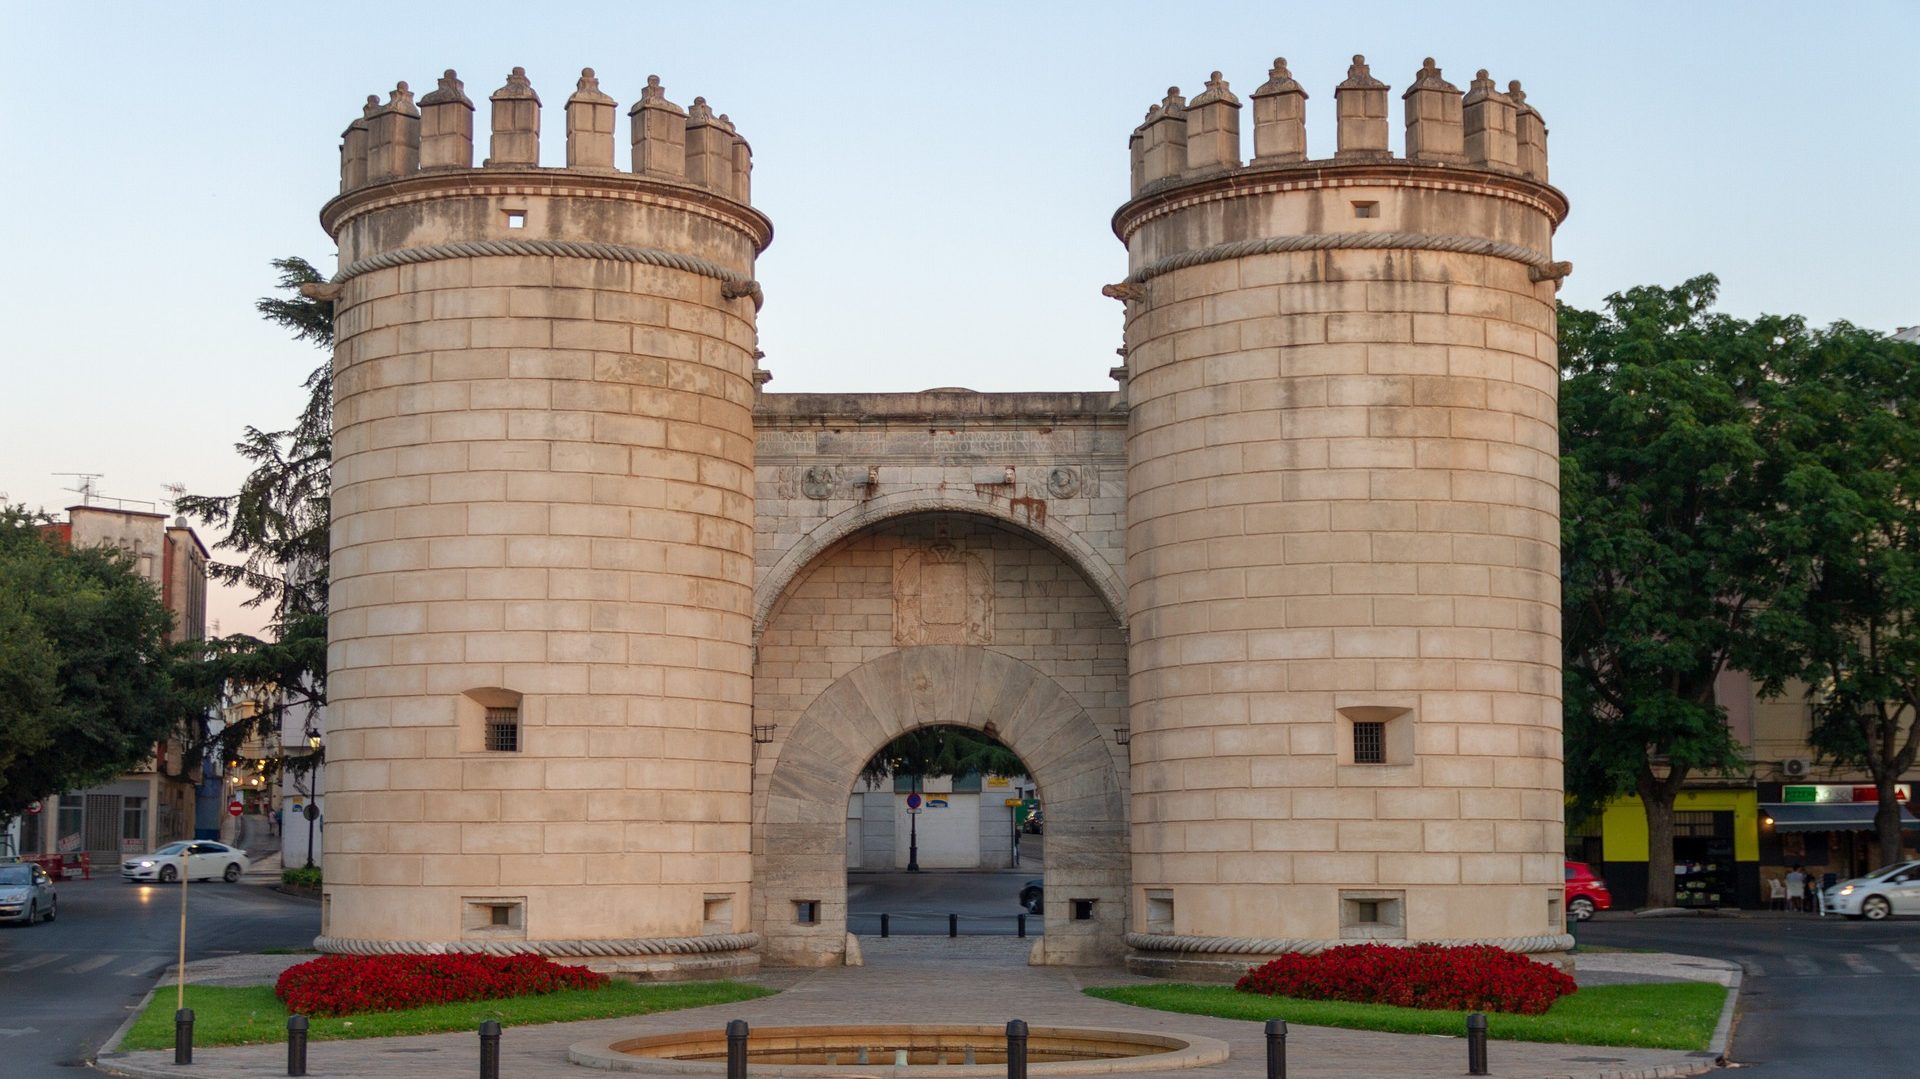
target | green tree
x=942, y=751
x=85, y=692
x=1671, y=483
x=276, y=531
x=1852, y=620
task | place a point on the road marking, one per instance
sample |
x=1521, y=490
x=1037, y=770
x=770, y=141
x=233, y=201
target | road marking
x=15, y=1032
x=29, y=964
x=1750, y=964
x=146, y=966
x=1858, y=964
x=85, y=965
x=1802, y=965
x=1910, y=960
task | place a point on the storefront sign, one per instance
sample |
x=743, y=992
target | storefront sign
x=1822, y=793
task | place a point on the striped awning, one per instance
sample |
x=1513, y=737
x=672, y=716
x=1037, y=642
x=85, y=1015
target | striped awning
x=1827, y=816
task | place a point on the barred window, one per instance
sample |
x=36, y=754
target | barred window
x=503, y=730
x=1369, y=742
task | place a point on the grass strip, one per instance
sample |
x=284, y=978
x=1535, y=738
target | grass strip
x=252, y=1014
x=1666, y=1015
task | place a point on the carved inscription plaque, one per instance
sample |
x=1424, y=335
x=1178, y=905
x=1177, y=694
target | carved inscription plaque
x=941, y=595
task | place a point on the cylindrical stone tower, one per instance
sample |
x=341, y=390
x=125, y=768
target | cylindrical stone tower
x=1343, y=526
x=539, y=737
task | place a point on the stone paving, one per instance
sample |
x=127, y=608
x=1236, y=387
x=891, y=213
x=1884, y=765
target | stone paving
x=933, y=979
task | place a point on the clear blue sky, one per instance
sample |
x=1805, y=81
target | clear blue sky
x=940, y=181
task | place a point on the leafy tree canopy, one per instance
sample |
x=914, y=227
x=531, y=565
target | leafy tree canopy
x=942, y=751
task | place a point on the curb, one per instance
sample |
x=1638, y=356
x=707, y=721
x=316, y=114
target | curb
x=112, y=1044
x=1722, y=1041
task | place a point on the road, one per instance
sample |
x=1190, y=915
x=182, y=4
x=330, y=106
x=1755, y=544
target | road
x=1820, y=995
x=918, y=903
x=65, y=986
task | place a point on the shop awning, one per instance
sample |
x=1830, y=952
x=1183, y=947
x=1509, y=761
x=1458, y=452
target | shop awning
x=1827, y=816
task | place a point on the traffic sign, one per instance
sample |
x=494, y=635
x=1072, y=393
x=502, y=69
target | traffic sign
x=234, y=808
x=33, y=809
x=913, y=802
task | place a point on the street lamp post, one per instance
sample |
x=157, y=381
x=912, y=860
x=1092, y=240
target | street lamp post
x=311, y=811
x=913, y=828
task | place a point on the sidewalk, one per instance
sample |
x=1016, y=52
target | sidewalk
x=918, y=979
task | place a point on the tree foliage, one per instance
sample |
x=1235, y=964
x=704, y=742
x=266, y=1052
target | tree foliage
x=1851, y=620
x=1672, y=479
x=85, y=691
x=942, y=751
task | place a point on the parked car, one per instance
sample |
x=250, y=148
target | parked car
x=1894, y=889
x=26, y=894
x=1034, y=897
x=1586, y=892
x=195, y=859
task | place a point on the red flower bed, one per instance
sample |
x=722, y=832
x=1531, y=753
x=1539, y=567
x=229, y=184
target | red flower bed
x=347, y=984
x=1474, y=978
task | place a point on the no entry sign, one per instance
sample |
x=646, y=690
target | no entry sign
x=234, y=808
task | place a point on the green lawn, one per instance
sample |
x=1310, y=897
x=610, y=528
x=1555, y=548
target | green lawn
x=228, y=1016
x=1667, y=1015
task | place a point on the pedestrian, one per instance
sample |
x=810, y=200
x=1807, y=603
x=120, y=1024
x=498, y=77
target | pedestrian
x=1797, y=889
x=273, y=827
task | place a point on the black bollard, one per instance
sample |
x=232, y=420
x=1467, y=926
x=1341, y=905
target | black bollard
x=1017, y=1049
x=183, y=1036
x=883, y=925
x=296, y=1045
x=1276, y=1049
x=489, y=1050
x=953, y=925
x=737, y=1049
x=1477, y=1044
x=1020, y=925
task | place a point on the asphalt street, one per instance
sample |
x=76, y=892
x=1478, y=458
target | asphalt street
x=1819, y=995
x=65, y=986
x=917, y=904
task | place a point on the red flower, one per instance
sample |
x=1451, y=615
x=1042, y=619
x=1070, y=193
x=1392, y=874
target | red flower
x=1470, y=978
x=348, y=984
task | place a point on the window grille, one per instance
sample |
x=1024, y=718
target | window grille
x=503, y=730
x=1369, y=742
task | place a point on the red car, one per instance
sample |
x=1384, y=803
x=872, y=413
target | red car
x=1586, y=892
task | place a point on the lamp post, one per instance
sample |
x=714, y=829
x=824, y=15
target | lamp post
x=913, y=827
x=312, y=811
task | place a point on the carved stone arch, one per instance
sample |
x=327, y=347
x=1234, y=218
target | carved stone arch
x=800, y=841
x=1101, y=574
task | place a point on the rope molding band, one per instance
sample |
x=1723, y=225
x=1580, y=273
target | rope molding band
x=1163, y=942
x=612, y=947
x=1542, y=267
x=734, y=285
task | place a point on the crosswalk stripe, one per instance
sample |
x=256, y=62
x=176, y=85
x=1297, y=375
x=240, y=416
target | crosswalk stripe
x=1910, y=960
x=1856, y=963
x=38, y=960
x=1802, y=965
x=85, y=965
x=146, y=965
x=1751, y=964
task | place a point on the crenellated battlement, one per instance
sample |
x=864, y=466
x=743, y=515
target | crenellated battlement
x=400, y=138
x=1480, y=128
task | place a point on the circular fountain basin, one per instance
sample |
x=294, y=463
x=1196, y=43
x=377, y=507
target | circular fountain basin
x=931, y=1049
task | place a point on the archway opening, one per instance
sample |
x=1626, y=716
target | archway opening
x=945, y=837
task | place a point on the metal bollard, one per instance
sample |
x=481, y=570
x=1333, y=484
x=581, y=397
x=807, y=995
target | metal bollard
x=1017, y=1049
x=490, y=1050
x=296, y=1045
x=883, y=925
x=953, y=925
x=1276, y=1049
x=183, y=1036
x=1477, y=1044
x=737, y=1049
x=1020, y=925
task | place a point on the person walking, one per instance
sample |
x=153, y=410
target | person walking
x=1797, y=889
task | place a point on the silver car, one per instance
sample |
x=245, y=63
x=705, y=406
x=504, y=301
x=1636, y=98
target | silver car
x=26, y=894
x=1893, y=889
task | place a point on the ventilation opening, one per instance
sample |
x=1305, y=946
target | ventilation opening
x=1083, y=910
x=716, y=914
x=516, y=219
x=494, y=916
x=1160, y=912
x=1556, y=919
x=503, y=730
x=806, y=912
x=1366, y=209
x=1373, y=915
x=326, y=913
x=1369, y=742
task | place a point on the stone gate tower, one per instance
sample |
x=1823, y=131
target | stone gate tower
x=542, y=533
x=1342, y=507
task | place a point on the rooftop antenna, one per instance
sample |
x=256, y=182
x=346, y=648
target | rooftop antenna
x=84, y=485
x=175, y=492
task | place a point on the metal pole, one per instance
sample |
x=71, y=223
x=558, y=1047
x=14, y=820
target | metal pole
x=1020, y=924
x=1276, y=1049
x=183, y=1036
x=309, y=817
x=489, y=1050
x=737, y=1049
x=180, y=969
x=883, y=925
x=1017, y=1049
x=1477, y=1044
x=953, y=925
x=296, y=1045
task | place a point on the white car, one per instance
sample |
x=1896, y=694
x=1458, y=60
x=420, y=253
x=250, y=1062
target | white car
x=195, y=859
x=26, y=894
x=1894, y=889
